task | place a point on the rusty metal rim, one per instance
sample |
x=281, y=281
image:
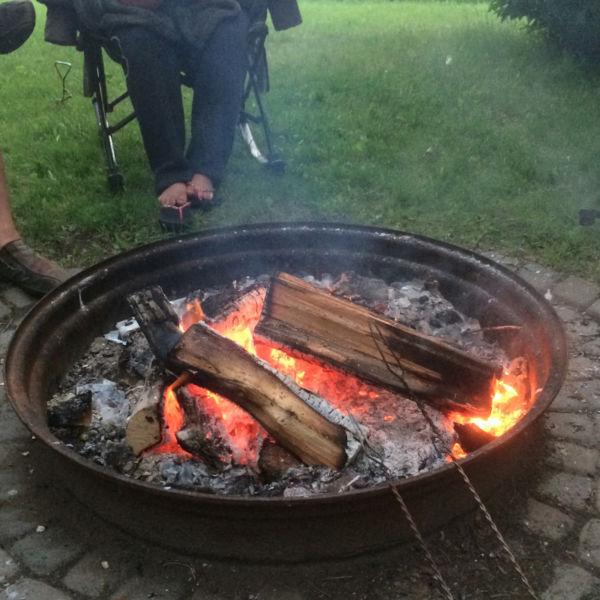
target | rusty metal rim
x=15, y=388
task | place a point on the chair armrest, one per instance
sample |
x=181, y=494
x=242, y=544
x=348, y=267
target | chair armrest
x=61, y=24
x=284, y=13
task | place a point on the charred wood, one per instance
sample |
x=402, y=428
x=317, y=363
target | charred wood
x=201, y=434
x=472, y=437
x=227, y=301
x=211, y=449
x=274, y=460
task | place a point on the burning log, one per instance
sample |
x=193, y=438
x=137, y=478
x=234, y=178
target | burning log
x=228, y=301
x=143, y=426
x=472, y=437
x=225, y=368
x=357, y=340
x=274, y=460
x=200, y=435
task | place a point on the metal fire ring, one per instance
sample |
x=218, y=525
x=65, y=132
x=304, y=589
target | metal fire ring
x=62, y=325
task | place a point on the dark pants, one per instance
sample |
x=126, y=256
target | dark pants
x=153, y=67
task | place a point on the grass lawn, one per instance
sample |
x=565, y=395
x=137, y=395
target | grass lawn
x=432, y=117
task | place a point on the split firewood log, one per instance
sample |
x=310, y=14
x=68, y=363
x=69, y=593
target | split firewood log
x=307, y=320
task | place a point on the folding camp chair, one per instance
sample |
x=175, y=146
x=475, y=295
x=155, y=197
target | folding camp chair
x=253, y=123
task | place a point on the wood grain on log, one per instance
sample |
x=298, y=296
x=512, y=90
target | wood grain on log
x=307, y=319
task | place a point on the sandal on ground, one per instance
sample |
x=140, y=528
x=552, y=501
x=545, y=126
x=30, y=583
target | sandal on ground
x=33, y=273
x=175, y=218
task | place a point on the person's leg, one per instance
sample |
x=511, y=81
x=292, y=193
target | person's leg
x=8, y=230
x=152, y=69
x=19, y=264
x=218, y=82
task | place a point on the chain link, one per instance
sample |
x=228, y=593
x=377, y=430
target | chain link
x=413, y=525
x=488, y=517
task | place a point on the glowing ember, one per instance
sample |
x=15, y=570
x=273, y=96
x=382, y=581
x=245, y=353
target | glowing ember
x=457, y=452
x=174, y=418
x=508, y=406
x=245, y=433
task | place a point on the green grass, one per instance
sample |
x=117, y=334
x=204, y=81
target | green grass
x=432, y=117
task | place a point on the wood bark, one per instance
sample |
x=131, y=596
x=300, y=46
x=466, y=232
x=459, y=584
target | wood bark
x=307, y=319
x=222, y=366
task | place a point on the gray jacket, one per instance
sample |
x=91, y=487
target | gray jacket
x=191, y=20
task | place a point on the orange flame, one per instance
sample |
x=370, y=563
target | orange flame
x=174, y=418
x=193, y=314
x=508, y=406
x=457, y=452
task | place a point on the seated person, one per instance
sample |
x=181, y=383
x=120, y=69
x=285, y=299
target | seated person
x=159, y=39
x=212, y=53
x=19, y=264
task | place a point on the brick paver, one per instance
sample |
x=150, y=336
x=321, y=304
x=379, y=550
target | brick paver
x=45, y=552
x=31, y=589
x=547, y=521
x=571, y=582
x=576, y=292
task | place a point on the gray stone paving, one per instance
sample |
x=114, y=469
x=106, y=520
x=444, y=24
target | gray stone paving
x=98, y=572
x=576, y=292
x=571, y=583
x=75, y=557
x=548, y=521
x=44, y=552
x=572, y=458
x=8, y=567
x=30, y=589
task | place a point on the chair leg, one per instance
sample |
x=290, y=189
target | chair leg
x=270, y=158
x=100, y=103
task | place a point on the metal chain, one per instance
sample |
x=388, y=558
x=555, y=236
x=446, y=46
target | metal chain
x=413, y=525
x=488, y=517
x=437, y=436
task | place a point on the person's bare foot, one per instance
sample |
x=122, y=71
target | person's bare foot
x=201, y=189
x=174, y=196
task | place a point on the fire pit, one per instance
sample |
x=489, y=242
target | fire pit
x=63, y=324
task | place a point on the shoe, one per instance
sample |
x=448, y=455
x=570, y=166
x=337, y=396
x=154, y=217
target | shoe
x=17, y=20
x=175, y=218
x=33, y=273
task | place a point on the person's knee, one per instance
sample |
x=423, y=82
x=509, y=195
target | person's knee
x=139, y=47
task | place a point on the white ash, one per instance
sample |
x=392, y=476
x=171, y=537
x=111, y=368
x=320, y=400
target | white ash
x=109, y=405
x=415, y=303
x=398, y=440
